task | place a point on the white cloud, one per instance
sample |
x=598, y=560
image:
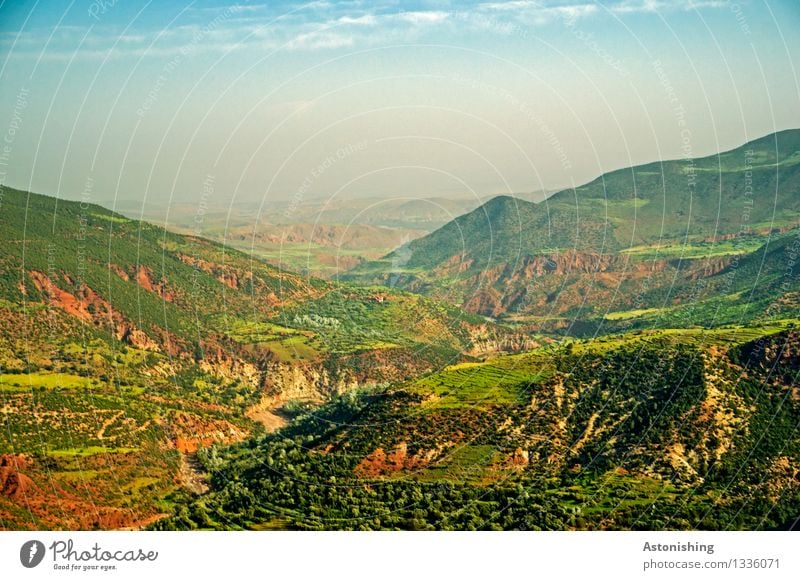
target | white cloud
x=651, y=6
x=514, y=5
x=574, y=11
x=578, y=8
x=132, y=38
x=248, y=7
x=324, y=26
x=365, y=20
x=320, y=40
x=423, y=17
x=531, y=11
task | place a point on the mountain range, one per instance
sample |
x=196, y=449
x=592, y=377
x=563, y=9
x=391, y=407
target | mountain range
x=636, y=239
x=623, y=355
x=125, y=347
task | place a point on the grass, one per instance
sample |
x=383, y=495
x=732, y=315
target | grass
x=16, y=382
x=253, y=332
x=613, y=491
x=628, y=314
x=30, y=308
x=632, y=203
x=72, y=421
x=694, y=250
x=732, y=335
x=296, y=344
x=502, y=381
x=117, y=219
x=294, y=348
x=278, y=523
x=90, y=450
x=465, y=464
x=80, y=475
x=138, y=483
x=287, y=344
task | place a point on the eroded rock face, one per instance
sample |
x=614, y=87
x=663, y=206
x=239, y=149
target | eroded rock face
x=380, y=463
x=286, y=382
x=557, y=281
x=485, y=340
x=90, y=307
x=520, y=457
x=222, y=363
x=129, y=334
x=14, y=483
x=25, y=484
x=144, y=277
x=191, y=432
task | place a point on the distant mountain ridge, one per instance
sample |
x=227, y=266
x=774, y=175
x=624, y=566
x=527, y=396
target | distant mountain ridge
x=663, y=220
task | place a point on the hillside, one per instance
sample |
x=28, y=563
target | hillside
x=627, y=241
x=679, y=429
x=156, y=379
x=125, y=348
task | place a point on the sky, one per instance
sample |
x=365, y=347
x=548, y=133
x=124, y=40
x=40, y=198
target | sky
x=220, y=102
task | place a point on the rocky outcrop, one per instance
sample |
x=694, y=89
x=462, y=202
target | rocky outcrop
x=129, y=334
x=285, y=382
x=380, y=463
x=227, y=365
x=520, y=457
x=90, y=307
x=709, y=267
x=190, y=432
x=14, y=483
x=485, y=340
x=119, y=272
x=144, y=277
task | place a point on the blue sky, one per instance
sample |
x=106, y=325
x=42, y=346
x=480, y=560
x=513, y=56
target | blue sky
x=295, y=100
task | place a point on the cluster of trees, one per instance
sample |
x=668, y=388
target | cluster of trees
x=278, y=482
x=642, y=396
x=279, y=479
x=626, y=406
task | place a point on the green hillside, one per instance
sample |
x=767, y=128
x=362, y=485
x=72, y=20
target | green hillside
x=632, y=239
x=151, y=379
x=651, y=431
x=125, y=348
x=756, y=185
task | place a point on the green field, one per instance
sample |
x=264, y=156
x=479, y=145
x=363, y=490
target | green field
x=22, y=382
x=503, y=381
x=695, y=250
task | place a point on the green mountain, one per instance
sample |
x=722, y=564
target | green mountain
x=154, y=379
x=124, y=348
x=659, y=430
x=630, y=240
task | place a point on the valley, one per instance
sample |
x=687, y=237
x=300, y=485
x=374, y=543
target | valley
x=620, y=356
x=653, y=431
x=126, y=348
